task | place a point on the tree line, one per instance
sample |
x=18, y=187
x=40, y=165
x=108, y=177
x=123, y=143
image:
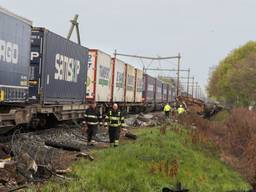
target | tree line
x=234, y=80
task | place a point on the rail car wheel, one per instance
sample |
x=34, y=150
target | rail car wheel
x=44, y=121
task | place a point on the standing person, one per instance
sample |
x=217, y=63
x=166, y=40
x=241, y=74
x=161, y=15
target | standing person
x=167, y=109
x=181, y=110
x=92, y=118
x=115, y=121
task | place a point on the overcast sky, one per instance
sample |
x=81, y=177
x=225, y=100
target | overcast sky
x=203, y=31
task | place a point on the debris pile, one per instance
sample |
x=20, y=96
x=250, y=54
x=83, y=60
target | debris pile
x=37, y=156
x=146, y=120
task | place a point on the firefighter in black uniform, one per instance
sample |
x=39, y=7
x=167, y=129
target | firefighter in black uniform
x=115, y=121
x=92, y=118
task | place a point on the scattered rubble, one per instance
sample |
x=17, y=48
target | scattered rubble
x=37, y=156
x=146, y=120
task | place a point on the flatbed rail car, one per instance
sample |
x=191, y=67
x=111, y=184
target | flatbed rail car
x=38, y=115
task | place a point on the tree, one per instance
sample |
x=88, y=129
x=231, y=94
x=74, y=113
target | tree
x=234, y=80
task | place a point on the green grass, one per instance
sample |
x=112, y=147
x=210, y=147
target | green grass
x=128, y=168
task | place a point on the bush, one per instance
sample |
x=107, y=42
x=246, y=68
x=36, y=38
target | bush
x=235, y=138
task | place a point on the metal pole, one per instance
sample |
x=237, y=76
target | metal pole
x=188, y=82
x=78, y=34
x=115, y=54
x=73, y=24
x=193, y=81
x=196, y=92
x=178, y=76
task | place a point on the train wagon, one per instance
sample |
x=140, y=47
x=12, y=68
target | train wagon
x=129, y=84
x=171, y=93
x=158, y=92
x=138, y=86
x=99, y=76
x=165, y=93
x=57, y=76
x=118, y=81
x=149, y=86
x=58, y=69
x=15, y=34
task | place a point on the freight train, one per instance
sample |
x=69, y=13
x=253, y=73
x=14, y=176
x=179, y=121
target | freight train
x=45, y=78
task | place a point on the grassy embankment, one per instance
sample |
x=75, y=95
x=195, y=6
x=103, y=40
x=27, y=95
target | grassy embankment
x=154, y=161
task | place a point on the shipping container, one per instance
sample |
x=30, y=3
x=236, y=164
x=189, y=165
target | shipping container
x=15, y=33
x=149, y=85
x=158, y=92
x=138, y=85
x=171, y=92
x=99, y=76
x=58, y=69
x=165, y=92
x=118, y=80
x=130, y=83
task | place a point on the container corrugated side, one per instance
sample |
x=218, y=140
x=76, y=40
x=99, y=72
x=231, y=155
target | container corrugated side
x=118, y=81
x=130, y=83
x=171, y=92
x=91, y=75
x=165, y=92
x=15, y=33
x=158, y=93
x=149, y=88
x=139, y=86
x=63, y=69
x=104, y=77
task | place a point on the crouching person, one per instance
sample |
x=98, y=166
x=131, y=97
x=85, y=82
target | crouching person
x=115, y=122
x=92, y=118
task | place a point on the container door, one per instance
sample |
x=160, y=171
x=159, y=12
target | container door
x=37, y=40
x=119, y=81
x=139, y=85
x=130, y=83
x=104, y=77
x=91, y=75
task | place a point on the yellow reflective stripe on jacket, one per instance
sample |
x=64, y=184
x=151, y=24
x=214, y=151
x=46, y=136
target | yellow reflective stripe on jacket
x=114, y=125
x=92, y=123
x=114, y=118
x=92, y=116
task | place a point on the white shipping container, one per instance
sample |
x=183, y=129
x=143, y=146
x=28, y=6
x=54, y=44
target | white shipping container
x=99, y=76
x=171, y=93
x=91, y=75
x=130, y=83
x=139, y=85
x=119, y=80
